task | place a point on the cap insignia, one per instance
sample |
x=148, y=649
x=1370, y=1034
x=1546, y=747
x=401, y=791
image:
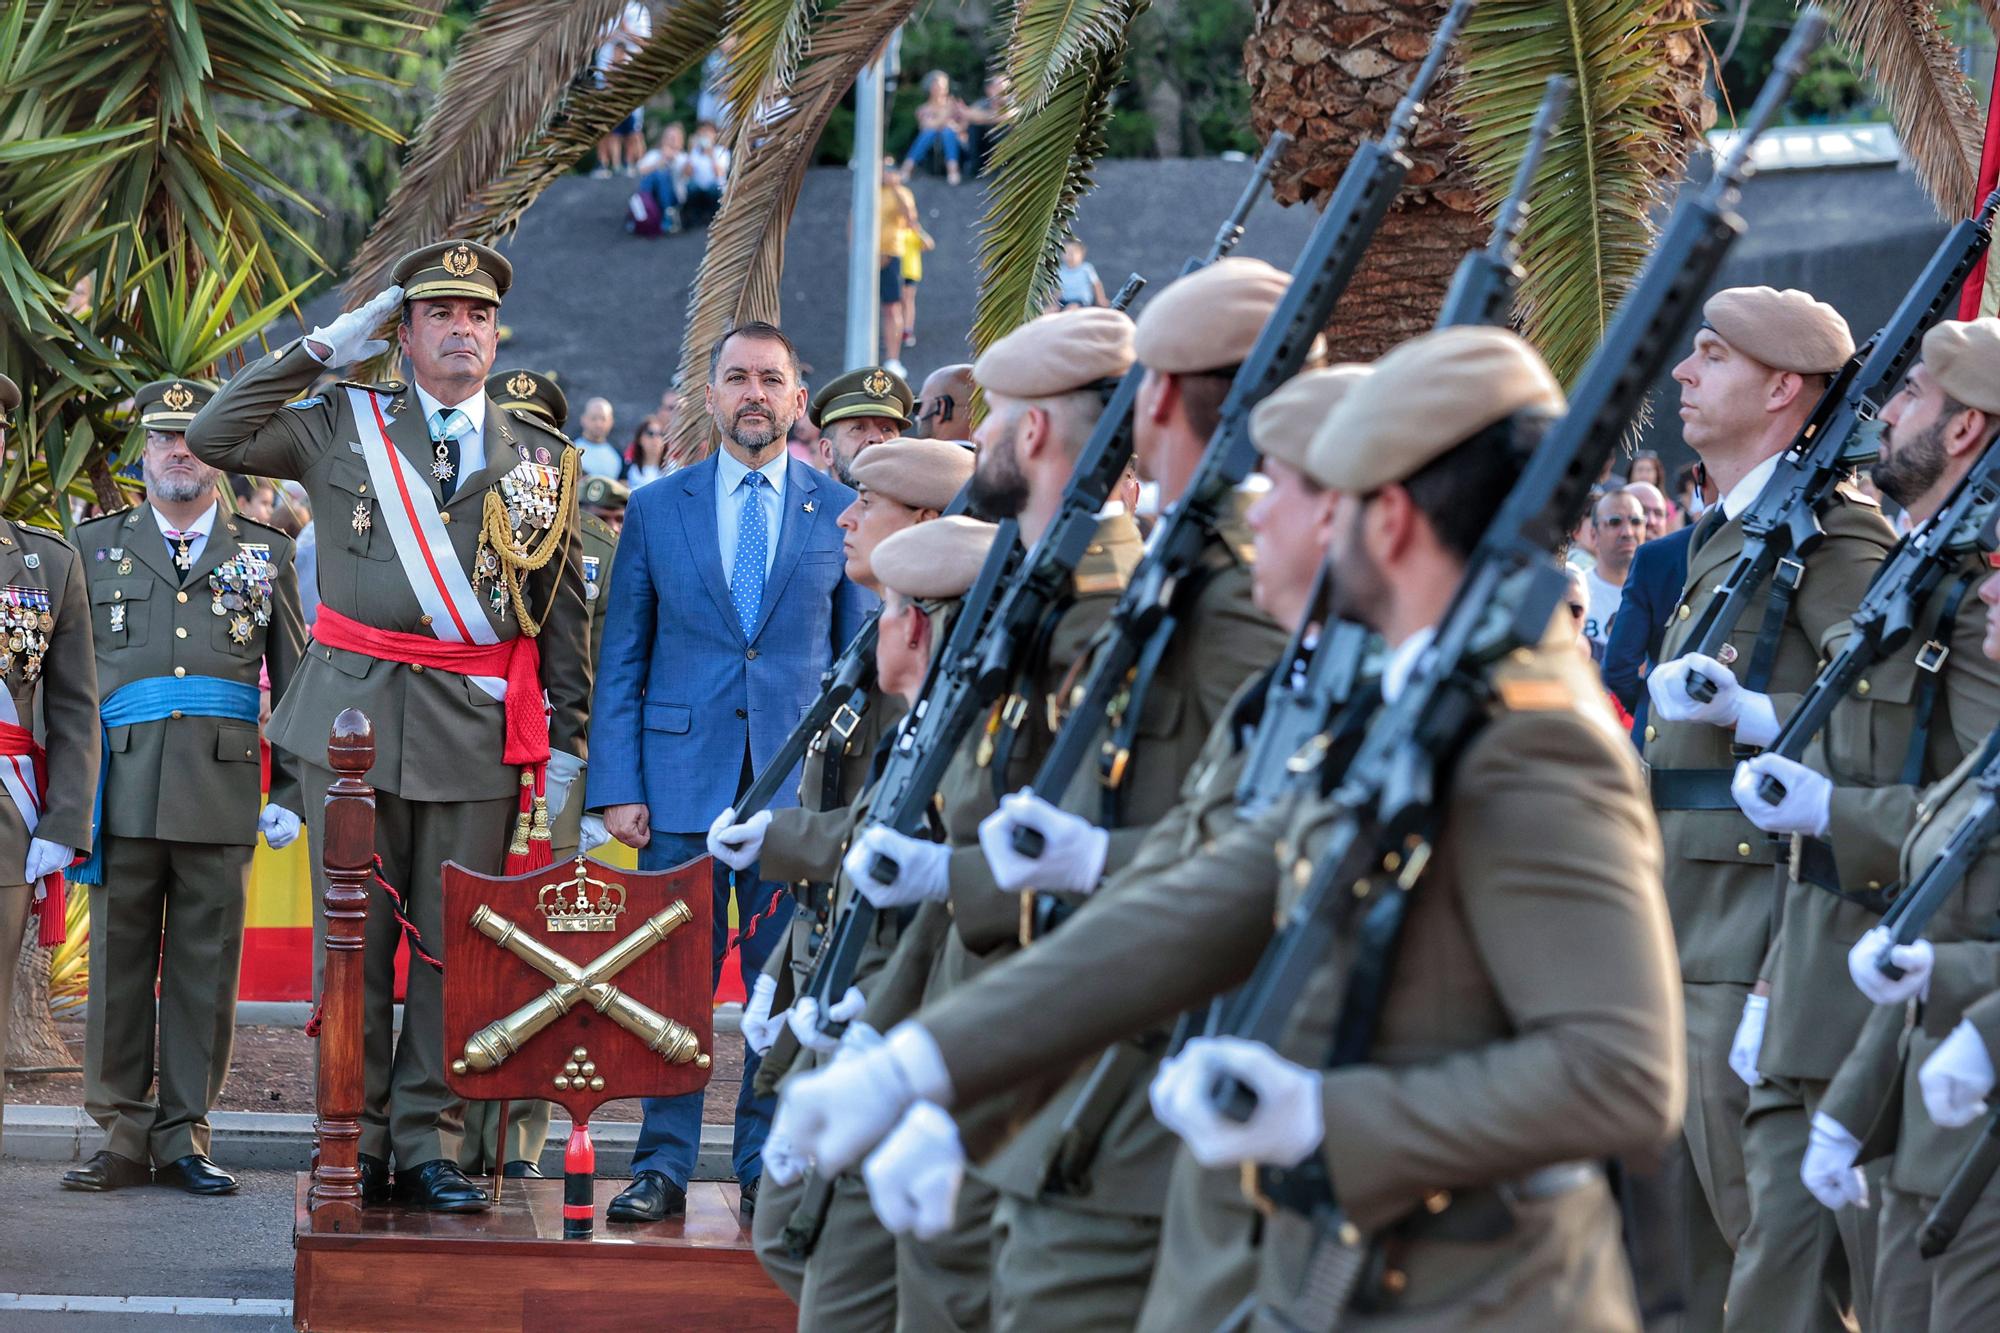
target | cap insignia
x=877, y=384
x=460, y=261
x=521, y=385
x=178, y=398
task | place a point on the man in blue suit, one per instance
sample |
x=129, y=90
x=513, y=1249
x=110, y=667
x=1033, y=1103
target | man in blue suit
x=1652, y=591
x=728, y=599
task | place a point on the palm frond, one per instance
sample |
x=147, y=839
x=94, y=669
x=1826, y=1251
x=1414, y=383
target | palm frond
x=1624, y=140
x=770, y=38
x=1914, y=63
x=746, y=241
x=507, y=76
x=1051, y=39
x=1040, y=172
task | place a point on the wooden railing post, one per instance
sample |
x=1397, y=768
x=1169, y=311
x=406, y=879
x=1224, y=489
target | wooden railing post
x=348, y=854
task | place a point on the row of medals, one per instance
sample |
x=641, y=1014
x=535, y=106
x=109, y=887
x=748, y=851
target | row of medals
x=240, y=588
x=529, y=491
x=25, y=622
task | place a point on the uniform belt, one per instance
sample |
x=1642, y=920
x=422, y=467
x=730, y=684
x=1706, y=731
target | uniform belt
x=1486, y=1213
x=1813, y=863
x=1692, y=788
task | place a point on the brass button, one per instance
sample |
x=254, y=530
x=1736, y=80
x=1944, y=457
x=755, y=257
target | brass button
x=1861, y=686
x=117, y=594
x=423, y=620
x=1874, y=884
x=180, y=671
x=175, y=715
x=1651, y=734
x=180, y=597
x=445, y=517
x=1394, y=1280
x=1685, y=613
x=246, y=754
x=181, y=632
x=417, y=667
x=362, y=489
x=1743, y=849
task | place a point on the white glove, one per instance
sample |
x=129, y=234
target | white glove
x=556, y=781
x=1829, y=1170
x=834, y=1114
x=592, y=834
x=1073, y=850
x=1749, y=1039
x=913, y=1178
x=1915, y=960
x=738, y=845
x=1287, y=1124
x=803, y=1019
x=1805, y=806
x=922, y=868
x=1957, y=1078
x=1751, y=713
x=278, y=825
x=858, y=1039
x=45, y=858
x=759, y=1028
x=347, y=339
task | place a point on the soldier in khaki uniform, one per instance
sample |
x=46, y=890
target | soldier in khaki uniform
x=1760, y=361
x=1919, y=713
x=49, y=783
x=452, y=602
x=1531, y=1026
x=852, y=411
x=190, y=605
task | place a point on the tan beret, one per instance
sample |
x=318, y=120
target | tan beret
x=1210, y=319
x=10, y=396
x=1283, y=425
x=1785, y=330
x=923, y=474
x=941, y=558
x=1057, y=354
x=1423, y=398
x=1964, y=358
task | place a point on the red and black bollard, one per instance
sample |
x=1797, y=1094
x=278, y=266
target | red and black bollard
x=579, y=1184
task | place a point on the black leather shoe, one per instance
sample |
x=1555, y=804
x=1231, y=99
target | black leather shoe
x=651, y=1197
x=106, y=1170
x=374, y=1180
x=746, y=1202
x=521, y=1169
x=195, y=1174
x=440, y=1187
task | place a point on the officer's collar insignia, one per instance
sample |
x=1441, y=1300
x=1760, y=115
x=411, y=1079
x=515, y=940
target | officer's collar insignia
x=521, y=385
x=460, y=261
x=877, y=384
x=177, y=398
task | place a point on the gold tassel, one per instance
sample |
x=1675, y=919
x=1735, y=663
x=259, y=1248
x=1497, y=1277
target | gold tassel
x=541, y=830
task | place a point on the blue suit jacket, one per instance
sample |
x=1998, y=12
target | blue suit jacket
x=680, y=688
x=1653, y=588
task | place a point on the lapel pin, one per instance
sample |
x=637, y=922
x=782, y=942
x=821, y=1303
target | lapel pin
x=807, y=506
x=32, y=560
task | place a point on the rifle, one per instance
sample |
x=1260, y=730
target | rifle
x=1136, y=633
x=1913, y=910
x=1781, y=527
x=1967, y=1184
x=1390, y=801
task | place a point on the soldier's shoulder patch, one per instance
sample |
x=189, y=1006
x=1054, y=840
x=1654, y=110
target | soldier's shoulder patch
x=307, y=404
x=1534, y=694
x=539, y=422
x=109, y=516
x=264, y=532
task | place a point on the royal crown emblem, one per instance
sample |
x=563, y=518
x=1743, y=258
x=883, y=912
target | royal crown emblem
x=569, y=908
x=877, y=384
x=178, y=398
x=522, y=384
x=460, y=261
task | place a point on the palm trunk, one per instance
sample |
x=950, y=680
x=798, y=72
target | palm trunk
x=32, y=1038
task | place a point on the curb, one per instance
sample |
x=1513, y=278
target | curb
x=278, y=1141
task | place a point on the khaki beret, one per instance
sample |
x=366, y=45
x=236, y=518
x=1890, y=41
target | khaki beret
x=603, y=493
x=1964, y=358
x=1786, y=330
x=454, y=268
x=1422, y=399
x=923, y=474
x=1210, y=319
x=10, y=396
x=533, y=391
x=1283, y=425
x=871, y=391
x=927, y=561
x=171, y=404
x=1057, y=354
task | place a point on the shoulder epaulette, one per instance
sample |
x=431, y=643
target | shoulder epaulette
x=49, y=533
x=106, y=517
x=1854, y=495
x=539, y=422
x=390, y=387
x=248, y=522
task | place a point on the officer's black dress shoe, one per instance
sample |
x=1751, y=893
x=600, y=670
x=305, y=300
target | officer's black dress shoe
x=106, y=1170
x=440, y=1187
x=521, y=1169
x=746, y=1202
x=651, y=1197
x=195, y=1174
x=374, y=1180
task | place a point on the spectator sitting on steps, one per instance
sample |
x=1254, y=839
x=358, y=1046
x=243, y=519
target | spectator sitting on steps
x=941, y=121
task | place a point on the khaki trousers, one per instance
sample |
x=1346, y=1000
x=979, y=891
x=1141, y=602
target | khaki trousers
x=1799, y=1266
x=407, y=1110
x=480, y=1151
x=171, y=911
x=848, y=1285
x=1958, y=1290
x=1058, y=1268
x=1207, y=1263
x=1717, y=1199
x=946, y=1285
x=14, y=900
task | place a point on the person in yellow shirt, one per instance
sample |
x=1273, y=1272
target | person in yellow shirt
x=915, y=241
x=898, y=213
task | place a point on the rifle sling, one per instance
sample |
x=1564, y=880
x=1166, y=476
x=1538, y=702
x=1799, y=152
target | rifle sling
x=1925, y=705
x=1022, y=685
x=1785, y=582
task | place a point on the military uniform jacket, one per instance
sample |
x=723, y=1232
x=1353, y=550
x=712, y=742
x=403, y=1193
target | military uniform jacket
x=1815, y=1010
x=60, y=692
x=190, y=779
x=1720, y=882
x=597, y=542
x=438, y=736
x=1876, y=1094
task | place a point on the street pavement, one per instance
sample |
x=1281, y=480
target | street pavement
x=139, y=1243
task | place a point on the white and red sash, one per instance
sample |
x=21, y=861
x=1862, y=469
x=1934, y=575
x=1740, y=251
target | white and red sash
x=23, y=776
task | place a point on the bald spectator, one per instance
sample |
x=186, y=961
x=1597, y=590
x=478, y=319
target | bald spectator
x=601, y=458
x=1618, y=525
x=944, y=407
x=1653, y=501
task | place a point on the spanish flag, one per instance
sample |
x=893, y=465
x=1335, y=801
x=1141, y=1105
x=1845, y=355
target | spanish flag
x=1982, y=286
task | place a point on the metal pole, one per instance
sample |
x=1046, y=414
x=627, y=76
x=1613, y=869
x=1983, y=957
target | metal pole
x=864, y=317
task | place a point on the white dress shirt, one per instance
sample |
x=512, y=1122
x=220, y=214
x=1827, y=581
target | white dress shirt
x=729, y=474
x=201, y=526
x=472, y=445
x=1402, y=663
x=1745, y=492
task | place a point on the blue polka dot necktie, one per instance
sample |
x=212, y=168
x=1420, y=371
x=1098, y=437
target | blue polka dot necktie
x=753, y=539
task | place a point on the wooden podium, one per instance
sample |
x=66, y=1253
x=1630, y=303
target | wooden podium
x=552, y=940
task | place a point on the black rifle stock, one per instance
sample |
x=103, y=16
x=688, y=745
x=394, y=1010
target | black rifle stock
x=1783, y=522
x=1151, y=606
x=1974, y=1173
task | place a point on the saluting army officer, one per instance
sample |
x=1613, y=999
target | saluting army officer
x=855, y=410
x=455, y=584
x=46, y=669
x=1760, y=361
x=1529, y=1028
x=190, y=605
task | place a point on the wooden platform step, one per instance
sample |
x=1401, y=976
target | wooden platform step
x=510, y=1269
